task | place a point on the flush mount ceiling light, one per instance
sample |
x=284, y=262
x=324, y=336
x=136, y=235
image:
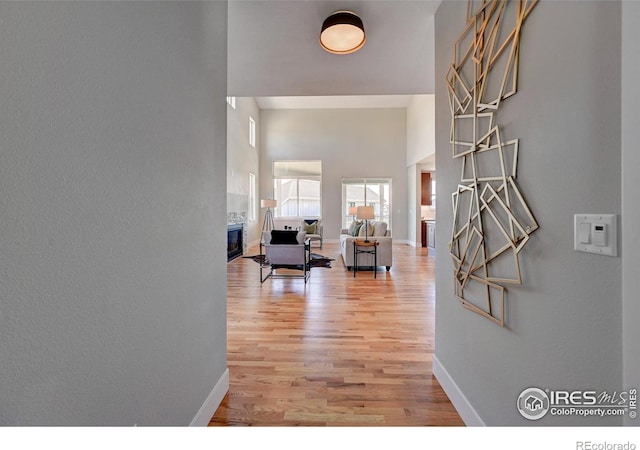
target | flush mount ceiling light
x=342, y=33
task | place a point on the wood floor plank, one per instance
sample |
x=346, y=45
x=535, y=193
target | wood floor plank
x=338, y=351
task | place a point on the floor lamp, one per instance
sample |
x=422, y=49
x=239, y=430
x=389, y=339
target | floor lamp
x=268, y=203
x=365, y=213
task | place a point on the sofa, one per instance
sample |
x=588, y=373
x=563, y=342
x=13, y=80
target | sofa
x=377, y=231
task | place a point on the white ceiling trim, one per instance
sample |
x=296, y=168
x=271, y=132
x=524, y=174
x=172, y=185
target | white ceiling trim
x=334, y=102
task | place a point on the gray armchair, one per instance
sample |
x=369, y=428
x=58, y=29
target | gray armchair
x=313, y=228
x=284, y=252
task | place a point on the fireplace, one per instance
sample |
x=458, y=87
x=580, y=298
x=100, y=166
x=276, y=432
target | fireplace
x=234, y=241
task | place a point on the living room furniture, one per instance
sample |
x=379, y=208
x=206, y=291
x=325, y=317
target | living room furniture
x=366, y=247
x=384, y=251
x=282, y=253
x=315, y=233
x=313, y=228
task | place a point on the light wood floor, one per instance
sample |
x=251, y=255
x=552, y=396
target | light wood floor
x=338, y=351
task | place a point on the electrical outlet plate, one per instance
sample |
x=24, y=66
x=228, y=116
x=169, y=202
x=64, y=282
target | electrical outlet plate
x=603, y=234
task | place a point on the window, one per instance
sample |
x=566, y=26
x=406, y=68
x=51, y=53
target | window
x=252, y=132
x=252, y=198
x=232, y=102
x=297, y=186
x=367, y=192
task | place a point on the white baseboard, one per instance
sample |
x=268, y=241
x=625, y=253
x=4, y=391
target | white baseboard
x=457, y=397
x=395, y=241
x=208, y=408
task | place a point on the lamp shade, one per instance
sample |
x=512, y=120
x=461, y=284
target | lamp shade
x=342, y=33
x=353, y=210
x=268, y=203
x=365, y=213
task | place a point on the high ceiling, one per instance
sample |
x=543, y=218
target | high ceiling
x=274, y=49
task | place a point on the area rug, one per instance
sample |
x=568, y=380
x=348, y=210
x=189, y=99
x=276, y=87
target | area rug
x=316, y=260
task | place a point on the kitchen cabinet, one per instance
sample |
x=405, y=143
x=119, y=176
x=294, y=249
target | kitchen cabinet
x=431, y=235
x=425, y=189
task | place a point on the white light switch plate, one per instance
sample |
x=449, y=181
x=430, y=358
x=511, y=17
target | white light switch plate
x=603, y=237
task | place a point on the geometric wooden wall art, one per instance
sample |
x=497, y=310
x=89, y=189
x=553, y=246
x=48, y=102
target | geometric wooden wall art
x=492, y=222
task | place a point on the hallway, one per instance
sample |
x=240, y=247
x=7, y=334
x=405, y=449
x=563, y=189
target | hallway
x=342, y=351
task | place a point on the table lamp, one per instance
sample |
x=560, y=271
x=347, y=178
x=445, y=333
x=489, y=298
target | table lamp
x=353, y=210
x=365, y=213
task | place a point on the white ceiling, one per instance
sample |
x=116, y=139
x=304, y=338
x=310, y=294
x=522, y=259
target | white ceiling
x=274, y=50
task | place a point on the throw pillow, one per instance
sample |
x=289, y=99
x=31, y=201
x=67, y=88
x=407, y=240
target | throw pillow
x=365, y=230
x=380, y=229
x=284, y=237
x=310, y=228
x=354, y=228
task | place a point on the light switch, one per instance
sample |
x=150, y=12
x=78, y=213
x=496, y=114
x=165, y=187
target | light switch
x=596, y=233
x=584, y=232
x=600, y=234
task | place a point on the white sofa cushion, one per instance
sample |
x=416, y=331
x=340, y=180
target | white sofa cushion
x=364, y=231
x=379, y=229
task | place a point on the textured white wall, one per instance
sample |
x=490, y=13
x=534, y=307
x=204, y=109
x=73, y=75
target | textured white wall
x=421, y=139
x=630, y=190
x=413, y=200
x=243, y=159
x=421, y=143
x=563, y=323
x=351, y=143
x=113, y=211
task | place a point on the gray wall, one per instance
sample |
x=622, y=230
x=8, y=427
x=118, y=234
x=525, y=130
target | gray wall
x=351, y=143
x=630, y=190
x=112, y=182
x=420, y=145
x=421, y=141
x=414, y=198
x=243, y=159
x=563, y=323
